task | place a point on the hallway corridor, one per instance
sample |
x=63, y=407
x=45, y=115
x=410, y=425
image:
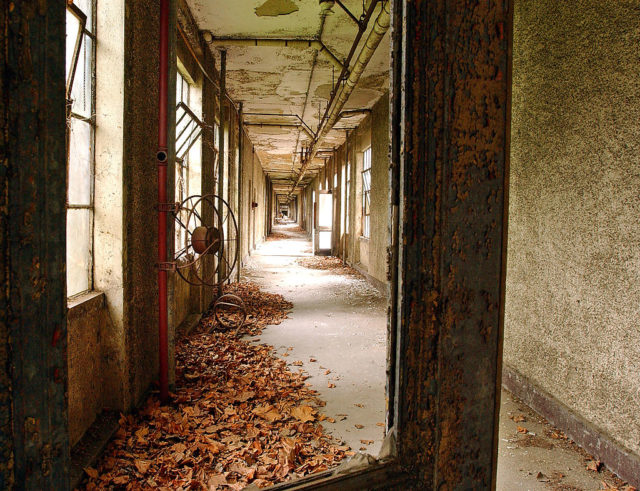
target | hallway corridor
x=336, y=333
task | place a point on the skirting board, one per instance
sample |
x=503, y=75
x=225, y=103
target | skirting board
x=616, y=457
x=382, y=287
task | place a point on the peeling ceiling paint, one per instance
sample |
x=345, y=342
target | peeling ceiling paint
x=274, y=80
x=272, y=8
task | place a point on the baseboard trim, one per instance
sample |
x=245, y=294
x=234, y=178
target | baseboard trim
x=381, y=286
x=615, y=456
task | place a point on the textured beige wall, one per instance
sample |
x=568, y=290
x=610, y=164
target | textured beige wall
x=88, y=326
x=379, y=190
x=573, y=280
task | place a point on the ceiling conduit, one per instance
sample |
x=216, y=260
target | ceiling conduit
x=380, y=27
x=291, y=43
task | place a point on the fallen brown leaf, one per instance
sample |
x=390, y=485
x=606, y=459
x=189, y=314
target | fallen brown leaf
x=594, y=465
x=142, y=465
x=304, y=413
x=359, y=426
x=238, y=416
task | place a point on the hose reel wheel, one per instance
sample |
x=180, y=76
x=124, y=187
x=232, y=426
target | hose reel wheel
x=206, y=240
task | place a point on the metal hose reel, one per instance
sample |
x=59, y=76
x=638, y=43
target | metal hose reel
x=207, y=251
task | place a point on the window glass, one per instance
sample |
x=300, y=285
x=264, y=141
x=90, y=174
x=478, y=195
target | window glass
x=82, y=90
x=188, y=174
x=80, y=168
x=78, y=250
x=366, y=193
x=80, y=162
x=348, y=199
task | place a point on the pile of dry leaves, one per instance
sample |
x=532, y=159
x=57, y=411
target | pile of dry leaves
x=238, y=416
x=327, y=263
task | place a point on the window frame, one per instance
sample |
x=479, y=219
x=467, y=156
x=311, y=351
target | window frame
x=365, y=231
x=90, y=32
x=348, y=198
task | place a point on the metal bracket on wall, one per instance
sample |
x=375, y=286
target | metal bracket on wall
x=167, y=266
x=168, y=207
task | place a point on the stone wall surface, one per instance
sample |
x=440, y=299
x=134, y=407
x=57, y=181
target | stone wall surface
x=573, y=267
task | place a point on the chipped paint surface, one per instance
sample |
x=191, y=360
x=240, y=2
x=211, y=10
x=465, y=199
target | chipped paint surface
x=271, y=8
x=32, y=236
x=456, y=101
x=276, y=80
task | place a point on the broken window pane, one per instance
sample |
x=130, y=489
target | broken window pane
x=78, y=250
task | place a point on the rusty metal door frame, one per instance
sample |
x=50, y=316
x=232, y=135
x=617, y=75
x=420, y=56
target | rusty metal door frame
x=449, y=161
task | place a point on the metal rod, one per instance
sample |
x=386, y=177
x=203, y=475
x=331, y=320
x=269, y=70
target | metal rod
x=280, y=42
x=305, y=125
x=163, y=314
x=348, y=12
x=221, y=127
x=197, y=60
x=240, y=188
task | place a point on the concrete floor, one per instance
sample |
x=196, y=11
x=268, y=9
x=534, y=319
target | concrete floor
x=337, y=334
x=340, y=322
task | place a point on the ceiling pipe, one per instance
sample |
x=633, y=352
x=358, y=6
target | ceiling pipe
x=308, y=130
x=380, y=27
x=281, y=42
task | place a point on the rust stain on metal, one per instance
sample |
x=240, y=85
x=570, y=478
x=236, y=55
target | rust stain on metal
x=455, y=151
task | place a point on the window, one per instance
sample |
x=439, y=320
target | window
x=366, y=193
x=188, y=176
x=348, y=198
x=80, y=73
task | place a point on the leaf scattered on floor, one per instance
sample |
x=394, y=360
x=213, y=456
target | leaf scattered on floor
x=594, y=465
x=328, y=263
x=359, y=426
x=238, y=416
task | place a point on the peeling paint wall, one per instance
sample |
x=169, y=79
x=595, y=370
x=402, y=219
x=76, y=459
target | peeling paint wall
x=573, y=279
